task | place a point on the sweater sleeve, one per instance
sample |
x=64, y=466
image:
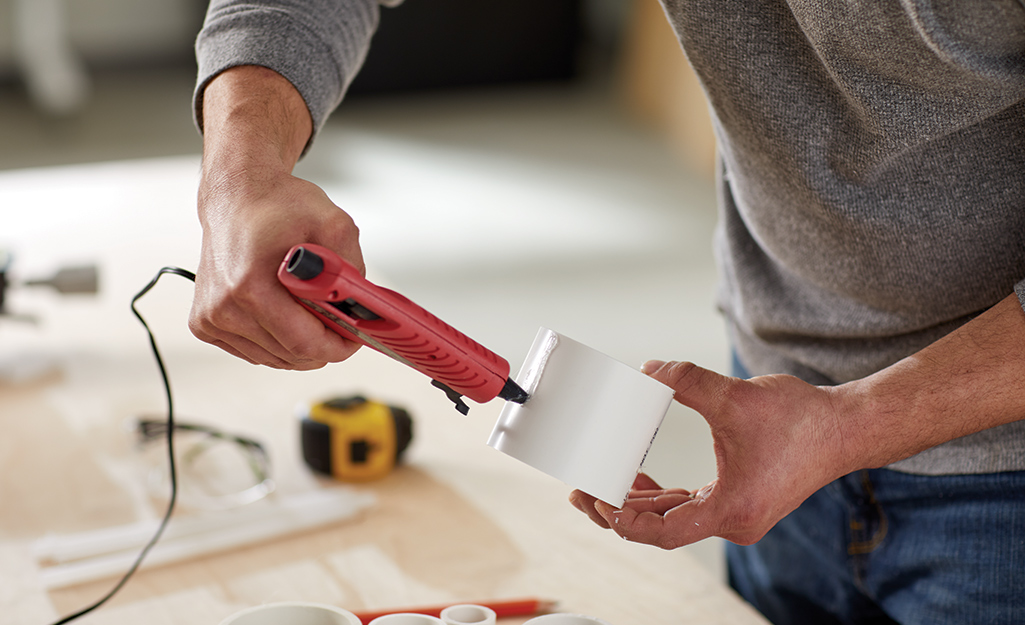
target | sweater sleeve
x=318, y=45
x=1019, y=290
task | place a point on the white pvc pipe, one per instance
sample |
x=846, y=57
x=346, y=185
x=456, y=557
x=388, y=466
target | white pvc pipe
x=328, y=503
x=203, y=536
x=468, y=614
x=589, y=421
x=407, y=619
x=293, y=613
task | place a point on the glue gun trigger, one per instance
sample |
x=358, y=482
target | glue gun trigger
x=456, y=398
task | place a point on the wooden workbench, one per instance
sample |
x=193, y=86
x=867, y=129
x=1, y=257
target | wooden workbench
x=457, y=522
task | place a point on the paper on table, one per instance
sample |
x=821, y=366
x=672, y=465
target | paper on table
x=590, y=419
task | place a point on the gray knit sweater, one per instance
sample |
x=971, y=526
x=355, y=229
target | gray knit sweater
x=872, y=167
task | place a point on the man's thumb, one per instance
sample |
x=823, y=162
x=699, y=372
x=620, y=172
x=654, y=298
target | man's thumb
x=695, y=387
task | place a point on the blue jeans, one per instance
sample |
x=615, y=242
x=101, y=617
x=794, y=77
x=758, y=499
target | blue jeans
x=880, y=546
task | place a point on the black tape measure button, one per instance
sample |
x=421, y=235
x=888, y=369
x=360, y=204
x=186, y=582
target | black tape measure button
x=359, y=451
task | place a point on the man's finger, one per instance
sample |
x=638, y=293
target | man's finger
x=638, y=494
x=643, y=481
x=585, y=503
x=301, y=335
x=682, y=524
x=252, y=352
x=697, y=388
x=659, y=502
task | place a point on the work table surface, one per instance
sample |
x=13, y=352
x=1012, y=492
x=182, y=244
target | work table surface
x=458, y=521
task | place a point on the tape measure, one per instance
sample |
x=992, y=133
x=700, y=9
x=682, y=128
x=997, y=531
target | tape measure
x=354, y=439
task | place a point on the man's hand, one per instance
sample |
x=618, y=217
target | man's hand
x=777, y=440
x=253, y=211
x=239, y=305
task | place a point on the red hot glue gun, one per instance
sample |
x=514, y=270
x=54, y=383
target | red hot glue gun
x=333, y=290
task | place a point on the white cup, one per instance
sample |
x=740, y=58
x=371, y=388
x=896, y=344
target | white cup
x=468, y=614
x=407, y=619
x=293, y=613
x=589, y=421
x=565, y=619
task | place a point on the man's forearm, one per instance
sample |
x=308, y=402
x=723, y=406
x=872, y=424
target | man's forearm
x=968, y=381
x=253, y=210
x=255, y=123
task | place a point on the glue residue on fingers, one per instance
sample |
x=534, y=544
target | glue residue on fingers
x=590, y=419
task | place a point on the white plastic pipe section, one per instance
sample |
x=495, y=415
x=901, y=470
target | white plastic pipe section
x=293, y=613
x=590, y=419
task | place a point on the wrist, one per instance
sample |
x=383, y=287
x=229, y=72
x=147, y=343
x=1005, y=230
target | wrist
x=860, y=418
x=255, y=123
x=900, y=411
x=255, y=128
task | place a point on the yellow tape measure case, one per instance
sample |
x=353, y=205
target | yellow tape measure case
x=354, y=439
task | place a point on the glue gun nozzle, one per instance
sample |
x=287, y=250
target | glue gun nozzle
x=512, y=392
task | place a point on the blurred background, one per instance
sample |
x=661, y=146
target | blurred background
x=511, y=163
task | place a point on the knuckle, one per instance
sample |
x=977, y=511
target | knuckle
x=196, y=326
x=680, y=376
x=304, y=353
x=244, y=296
x=667, y=542
x=312, y=351
x=339, y=227
x=218, y=318
x=203, y=326
x=729, y=394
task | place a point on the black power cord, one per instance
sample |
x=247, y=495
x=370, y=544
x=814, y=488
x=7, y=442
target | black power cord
x=170, y=448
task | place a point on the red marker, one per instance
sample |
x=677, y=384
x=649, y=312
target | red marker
x=333, y=290
x=514, y=607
